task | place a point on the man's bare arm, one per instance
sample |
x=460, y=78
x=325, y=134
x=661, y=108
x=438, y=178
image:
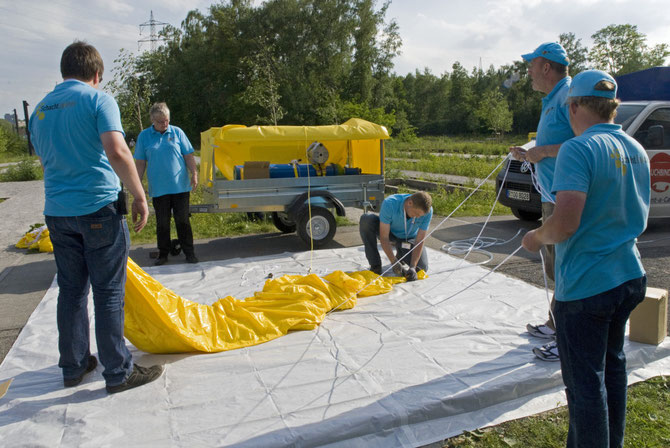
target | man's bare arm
x=121, y=159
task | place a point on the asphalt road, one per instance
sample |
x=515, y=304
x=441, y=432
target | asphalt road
x=24, y=278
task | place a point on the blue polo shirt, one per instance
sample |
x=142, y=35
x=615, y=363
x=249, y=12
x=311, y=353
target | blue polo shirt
x=613, y=170
x=65, y=129
x=392, y=212
x=164, y=153
x=553, y=129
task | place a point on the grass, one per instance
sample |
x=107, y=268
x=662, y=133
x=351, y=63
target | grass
x=216, y=225
x=456, y=145
x=27, y=169
x=7, y=157
x=647, y=424
x=469, y=167
x=479, y=204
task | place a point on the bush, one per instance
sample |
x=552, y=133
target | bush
x=25, y=170
x=10, y=143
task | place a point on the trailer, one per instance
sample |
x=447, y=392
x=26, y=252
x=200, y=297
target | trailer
x=299, y=174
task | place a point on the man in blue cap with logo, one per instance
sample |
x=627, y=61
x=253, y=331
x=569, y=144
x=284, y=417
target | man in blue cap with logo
x=548, y=71
x=602, y=187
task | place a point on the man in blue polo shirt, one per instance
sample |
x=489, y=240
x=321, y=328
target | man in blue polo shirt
x=403, y=220
x=78, y=136
x=167, y=154
x=602, y=186
x=548, y=71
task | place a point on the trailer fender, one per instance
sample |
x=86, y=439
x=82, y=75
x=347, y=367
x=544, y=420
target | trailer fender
x=293, y=210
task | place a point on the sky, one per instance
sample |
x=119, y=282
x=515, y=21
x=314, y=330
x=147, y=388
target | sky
x=435, y=33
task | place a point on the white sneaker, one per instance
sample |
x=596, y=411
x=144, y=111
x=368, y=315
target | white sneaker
x=547, y=352
x=541, y=331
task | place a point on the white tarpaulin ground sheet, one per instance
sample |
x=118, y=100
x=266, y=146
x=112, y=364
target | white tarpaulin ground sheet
x=393, y=371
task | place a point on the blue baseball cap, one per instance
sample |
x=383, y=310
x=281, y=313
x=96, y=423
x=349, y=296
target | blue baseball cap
x=549, y=50
x=585, y=82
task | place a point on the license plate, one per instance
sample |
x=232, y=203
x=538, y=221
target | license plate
x=518, y=195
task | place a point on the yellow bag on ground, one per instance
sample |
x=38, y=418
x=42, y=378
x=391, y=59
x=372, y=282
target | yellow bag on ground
x=36, y=239
x=160, y=321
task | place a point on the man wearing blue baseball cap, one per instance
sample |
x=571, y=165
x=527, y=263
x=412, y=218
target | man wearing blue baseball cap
x=548, y=71
x=602, y=187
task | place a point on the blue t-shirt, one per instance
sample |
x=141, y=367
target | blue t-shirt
x=613, y=170
x=553, y=129
x=164, y=153
x=393, y=213
x=65, y=129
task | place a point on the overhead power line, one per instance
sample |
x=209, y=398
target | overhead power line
x=153, y=38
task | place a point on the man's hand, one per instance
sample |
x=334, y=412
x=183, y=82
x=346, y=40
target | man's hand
x=194, y=181
x=140, y=213
x=518, y=153
x=397, y=269
x=410, y=274
x=530, y=242
x=534, y=155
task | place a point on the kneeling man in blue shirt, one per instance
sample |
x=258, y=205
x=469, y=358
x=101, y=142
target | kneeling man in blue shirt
x=602, y=187
x=403, y=220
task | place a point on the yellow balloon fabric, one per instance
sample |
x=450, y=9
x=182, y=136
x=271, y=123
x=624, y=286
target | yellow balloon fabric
x=37, y=239
x=160, y=321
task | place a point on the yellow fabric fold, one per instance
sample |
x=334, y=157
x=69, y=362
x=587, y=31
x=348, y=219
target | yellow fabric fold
x=160, y=321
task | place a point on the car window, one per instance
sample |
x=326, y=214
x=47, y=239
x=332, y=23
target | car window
x=659, y=117
x=626, y=113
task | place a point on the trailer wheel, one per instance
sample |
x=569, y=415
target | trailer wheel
x=283, y=222
x=525, y=215
x=323, y=226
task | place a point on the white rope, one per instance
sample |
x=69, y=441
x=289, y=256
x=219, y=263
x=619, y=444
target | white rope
x=460, y=247
x=436, y=228
x=536, y=183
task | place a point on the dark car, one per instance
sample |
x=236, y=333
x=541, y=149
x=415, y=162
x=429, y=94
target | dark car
x=646, y=121
x=518, y=192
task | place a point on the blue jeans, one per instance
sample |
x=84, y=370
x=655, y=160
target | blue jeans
x=369, y=230
x=91, y=251
x=590, y=337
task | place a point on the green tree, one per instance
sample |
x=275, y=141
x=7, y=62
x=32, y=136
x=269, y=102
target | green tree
x=577, y=53
x=10, y=143
x=259, y=72
x=132, y=90
x=494, y=111
x=461, y=102
x=621, y=49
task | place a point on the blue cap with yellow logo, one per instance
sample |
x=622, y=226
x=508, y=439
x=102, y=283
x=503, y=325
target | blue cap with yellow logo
x=584, y=84
x=549, y=50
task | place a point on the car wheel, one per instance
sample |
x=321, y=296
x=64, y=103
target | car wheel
x=319, y=228
x=525, y=215
x=283, y=222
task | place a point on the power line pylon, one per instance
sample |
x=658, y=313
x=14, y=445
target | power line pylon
x=153, y=35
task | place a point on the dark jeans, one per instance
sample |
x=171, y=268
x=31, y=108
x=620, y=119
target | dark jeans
x=369, y=229
x=91, y=251
x=590, y=337
x=176, y=205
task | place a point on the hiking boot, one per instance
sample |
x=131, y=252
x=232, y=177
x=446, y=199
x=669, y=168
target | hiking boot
x=138, y=377
x=376, y=269
x=191, y=258
x=541, y=331
x=90, y=367
x=547, y=352
x=162, y=259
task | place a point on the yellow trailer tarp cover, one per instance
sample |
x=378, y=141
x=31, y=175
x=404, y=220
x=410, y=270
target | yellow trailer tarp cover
x=355, y=143
x=160, y=321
